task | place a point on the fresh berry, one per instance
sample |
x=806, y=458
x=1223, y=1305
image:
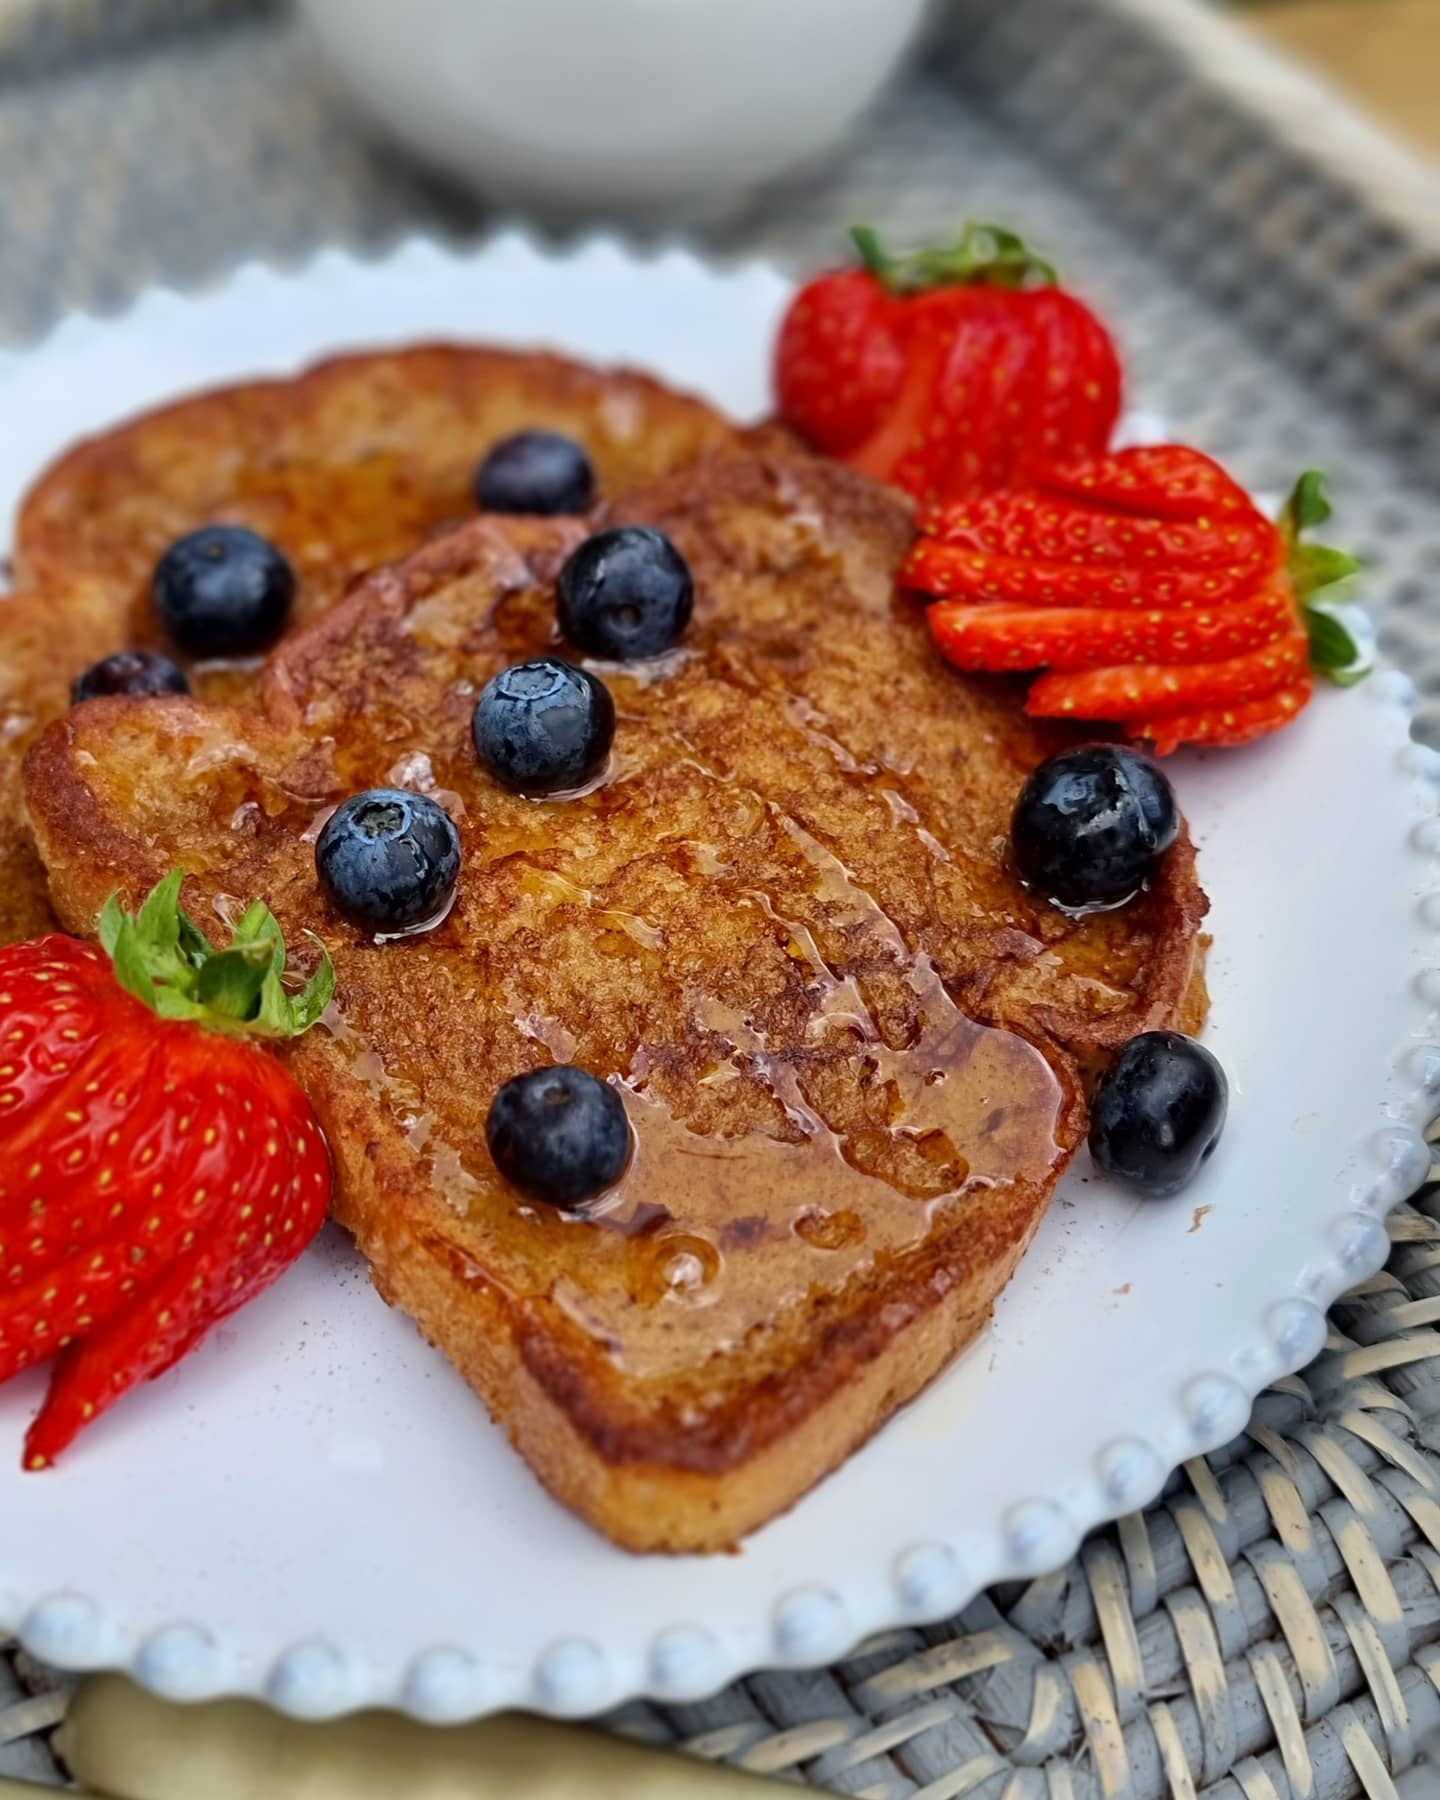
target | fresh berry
x=1150, y=590
x=535, y=472
x=223, y=591
x=388, y=859
x=1090, y=825
x=1003, y=637
x=156, y=1172
x=544, y=727
x=140, y=672
x=625, y=594
x=1158, y=1112
x=1240, y=723
x=1144, y=690
x=559, y=1135
x=948, y=370
x=838, y=362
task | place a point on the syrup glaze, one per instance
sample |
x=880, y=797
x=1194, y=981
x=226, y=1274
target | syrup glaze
x=808, y=1101
x=773, y=925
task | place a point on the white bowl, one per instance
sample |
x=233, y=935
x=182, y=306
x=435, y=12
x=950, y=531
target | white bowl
x=575, y=107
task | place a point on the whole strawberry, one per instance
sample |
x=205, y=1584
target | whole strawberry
x=949, y=370
x=157, y=1168
x=1149, y=588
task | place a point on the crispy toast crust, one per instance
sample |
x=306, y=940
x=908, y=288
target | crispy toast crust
x=348, y=464
x=344, y=466
x=762, y=924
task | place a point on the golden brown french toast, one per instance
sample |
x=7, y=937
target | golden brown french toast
x=347, y=465
x=847, y=1038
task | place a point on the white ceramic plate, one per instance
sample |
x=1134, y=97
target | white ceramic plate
x=315, y=1509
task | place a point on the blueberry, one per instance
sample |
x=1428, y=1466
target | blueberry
x=535, y=472
x=559, y=1135
x=626, y=594
x=388, y=859
x=1158, y=1113
x=130, y=672
x=1091, y=824
x=223, y=591
x=541, y=727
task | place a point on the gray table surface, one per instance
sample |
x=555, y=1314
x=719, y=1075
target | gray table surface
x=163, y=140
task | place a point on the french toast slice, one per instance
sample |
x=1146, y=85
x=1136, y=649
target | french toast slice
x=848, y=1040
x=345, y=466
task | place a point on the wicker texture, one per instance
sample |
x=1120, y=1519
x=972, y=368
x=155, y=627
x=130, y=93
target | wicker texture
x=1270, y=1628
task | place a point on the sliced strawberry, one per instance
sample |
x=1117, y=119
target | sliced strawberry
x=1041, y=524
x=1227, y=725
x=1149, y=588
x=948, y=369
x=155, y=1171
x=994, y=379
x=158, y=1326
x=1074, y=391
x=1159, y=481
x=1150, y=689
x=1008, y=638
x=949, y=572
x=976, y=425
x=255, y=1243
x=910, y=416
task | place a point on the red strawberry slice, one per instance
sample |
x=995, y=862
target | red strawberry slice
x=1044, y=523
x=1076, y=396
x=971, y=425
x=157, y=1327
x=155, y=1172
x=165, y=1318
x=1229, y=725
x=911, y=415
x=1158, y=481
x=1007, y=638
x=1145, y=689
x=949, y=572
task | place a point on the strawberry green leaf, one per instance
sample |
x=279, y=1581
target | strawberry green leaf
x=867, y=244
x=230, y=983
x=163, y=958
x=984, y=255
x=170, y=1003
x=1313, y=568
x=1333, y=651
x=128, y=956
x=194, y=945
x=258, y=925
x=274, y=1015
x=158, y=921
x=307, y=1006
x=1306, y=507
x=1316, y=566
x=111, y=923
x=161, y=931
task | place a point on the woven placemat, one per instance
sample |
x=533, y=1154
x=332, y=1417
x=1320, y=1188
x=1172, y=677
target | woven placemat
x=1271, y=1628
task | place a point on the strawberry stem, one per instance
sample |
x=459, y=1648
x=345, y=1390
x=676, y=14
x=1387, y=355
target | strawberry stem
x=164, y=959
x=985, y=255
x=867, y=244
x=1313, y=568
